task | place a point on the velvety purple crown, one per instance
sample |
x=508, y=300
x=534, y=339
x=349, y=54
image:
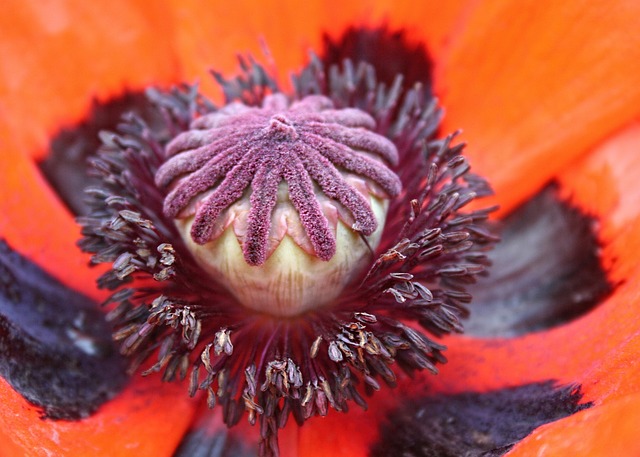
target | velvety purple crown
x=309, y=145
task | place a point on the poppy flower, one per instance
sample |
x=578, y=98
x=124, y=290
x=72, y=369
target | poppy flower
x=547, y=98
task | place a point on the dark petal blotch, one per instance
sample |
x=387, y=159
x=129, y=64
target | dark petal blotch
x=546, y=271
x=474, y=424
x=65, y=166
x=55, y=346
x=389, y=51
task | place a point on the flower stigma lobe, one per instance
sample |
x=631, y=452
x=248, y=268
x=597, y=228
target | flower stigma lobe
x=285, y=202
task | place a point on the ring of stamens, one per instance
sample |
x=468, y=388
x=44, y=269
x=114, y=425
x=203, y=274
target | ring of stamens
x=272, y=368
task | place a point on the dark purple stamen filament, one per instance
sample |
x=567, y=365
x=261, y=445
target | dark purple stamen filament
x=308, y=145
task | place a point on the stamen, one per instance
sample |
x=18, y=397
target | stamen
x=301, y=189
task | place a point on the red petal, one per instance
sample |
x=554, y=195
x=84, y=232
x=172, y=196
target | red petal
x=36, y=224
x=607, y=430
x=534, y=84
x=291, y=28
x=57, y=56
x=529, y=89
x=148, y=418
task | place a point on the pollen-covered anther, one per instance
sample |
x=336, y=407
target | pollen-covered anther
x=285, y=201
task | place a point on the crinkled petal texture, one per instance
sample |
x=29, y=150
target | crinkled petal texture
x=541, y=89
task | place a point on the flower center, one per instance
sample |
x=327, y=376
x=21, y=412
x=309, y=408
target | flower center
x=284, y=202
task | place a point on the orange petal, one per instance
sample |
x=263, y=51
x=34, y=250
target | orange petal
x=210, y=35
x=534, y=84
x=432, y=23
x=36, y=224
x=348, y=434
x=57, y=56
x=148, y=418
x=608, y=430
x=605, y=183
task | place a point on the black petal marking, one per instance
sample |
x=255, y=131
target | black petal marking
x=55, y=347
x=389, y=52
x=65, y=166
x=546, y=271
x=474, y=424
